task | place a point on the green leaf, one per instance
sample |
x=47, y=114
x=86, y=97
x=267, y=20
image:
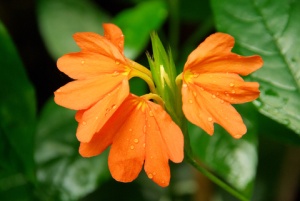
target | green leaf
x=59, y=19
x=17, y=114
x=234, y=160
x=62, y=172
x=137, y=23
x=269, y=29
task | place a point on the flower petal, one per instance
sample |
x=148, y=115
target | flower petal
x=84, y=65
x=203, y=109
x=170, y=133
x=214, y=55
x=93, y=119
x=81, y=94
x=104, y=137
x=92, y=42
x=229, y=87
x=115, y=35
x=127, y=153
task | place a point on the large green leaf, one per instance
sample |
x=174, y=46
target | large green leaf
x=234, y=160
x=60, y=19
x=62, y=172
x=137, y=24
x=18, y=121
x=270, y=29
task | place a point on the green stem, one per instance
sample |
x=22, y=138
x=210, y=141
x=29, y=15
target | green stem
x=213, y=178
x=142, y=72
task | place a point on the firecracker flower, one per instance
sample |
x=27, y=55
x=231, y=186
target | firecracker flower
x=140, y=133
x=211, y=83
x=101, y=73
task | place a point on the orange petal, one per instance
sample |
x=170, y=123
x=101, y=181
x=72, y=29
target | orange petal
x=214, y=55
x=104, y=137
x=92, y=42
x=93, y=119
x=157, y=159
x=229, y=87
x=115, y=35
x=170, y=133
x=127, y=153
x=84, y=65
x=82, y=94
x=203, y=109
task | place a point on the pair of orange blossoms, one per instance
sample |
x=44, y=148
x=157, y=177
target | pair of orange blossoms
x=138, y=129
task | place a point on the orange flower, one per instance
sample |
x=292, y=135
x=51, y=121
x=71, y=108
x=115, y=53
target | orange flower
x=138, y=131
x=101, y=73
x=211, y=84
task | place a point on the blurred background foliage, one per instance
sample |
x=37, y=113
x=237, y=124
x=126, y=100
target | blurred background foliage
x=39, y=157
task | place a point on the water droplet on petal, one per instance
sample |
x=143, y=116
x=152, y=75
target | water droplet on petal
x=196, y=75
x=226, y=94
x=117, y=62
x=96, y=117
x=132, y=147
x=213, y=96
x=231, y=84
x=209, y=119
x=150, y=113
x=115, y=73
x=194, y=93
x=136, y=140
x=114, y=106
x=84, y=123
x=82, y=62
x=190, y=101
x=144, y=129
x=184, y=85
x=144, y=145
x=150, y=176
x=233, y=91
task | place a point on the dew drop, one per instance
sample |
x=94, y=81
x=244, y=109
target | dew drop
x=232, y=99
x=96, y=117
x=231, y=84
x=82, y=62
x=144, y=145
x=84, y=123
x=115, y=73
x=209, y=119
x=144, y=129
x=150, y=176
x=226, y=94
x=194, y=93
x=196, y=75
x=184, y=85
x=117, y=62
x=114, y=106
x=136, y=140
x=150, y=113
x=233, y=91
x=213, y=96
x=132, y=147
x=190, y=101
